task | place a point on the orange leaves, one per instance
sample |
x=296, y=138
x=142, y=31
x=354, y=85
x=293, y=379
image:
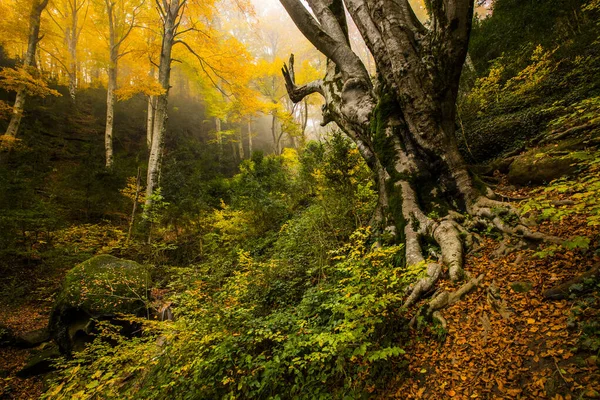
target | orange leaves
x=15, y=79
x=5, y=110
x=528, y=355
x=143, y=84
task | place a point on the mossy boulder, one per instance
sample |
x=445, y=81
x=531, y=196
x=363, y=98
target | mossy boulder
x=538, y=167
x=100, y=288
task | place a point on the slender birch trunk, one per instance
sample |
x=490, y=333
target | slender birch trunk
x=250, y=138
x=241, y=145
x=110, y=110
x=150, y=120
x=119, y=29
x=29, y=61
x=138, y=182
x=219, y=139
x=72, y=41
x=276, y=138
x=112, y=84
x=170, y=13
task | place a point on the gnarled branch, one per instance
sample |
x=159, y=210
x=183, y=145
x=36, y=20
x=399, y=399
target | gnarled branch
x=297, y=93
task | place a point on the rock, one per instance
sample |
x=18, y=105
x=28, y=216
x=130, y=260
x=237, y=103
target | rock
x=100, y=288
x=34, y=338
x=27, y=340
x=521, y=287
x=40, y=362
x=537, y=168
x=7, y=337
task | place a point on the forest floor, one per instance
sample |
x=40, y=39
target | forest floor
x=538, y=348
x=21, y=319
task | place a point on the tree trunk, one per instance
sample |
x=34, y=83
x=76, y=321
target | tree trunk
x=110, y=107
x=29, y=61
x=403, y=122
x=138, y=182
x=118, y=30
x=241, y=145
x=305, y=120
x=276, y=137
x=170, y=16
x=72, y=42
x=150, y=120
x=250, y=138
x=219, y=139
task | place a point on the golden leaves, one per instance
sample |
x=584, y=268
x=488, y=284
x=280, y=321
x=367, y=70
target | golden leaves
x=15, y=79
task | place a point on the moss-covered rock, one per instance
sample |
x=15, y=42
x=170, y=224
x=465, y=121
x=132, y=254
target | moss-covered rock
x=101, y=287
x=538, y=167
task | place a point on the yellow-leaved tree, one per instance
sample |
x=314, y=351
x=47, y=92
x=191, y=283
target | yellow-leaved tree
x=24, y=80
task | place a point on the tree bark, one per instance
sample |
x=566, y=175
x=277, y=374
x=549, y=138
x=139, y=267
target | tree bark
x=170, y=15
x=276, y=137
x=150, y=120
x=241, y=144
x=250, y=138
x=219, y=139
x=29, y=61
x=72, y=39
x=110, y=112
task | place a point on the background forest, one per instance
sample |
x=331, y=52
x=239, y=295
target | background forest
x=257, y=268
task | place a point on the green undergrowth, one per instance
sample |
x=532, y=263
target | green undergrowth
x=529, y=83
x=569, y=197
x=342, y=339
x=579, y=195
x=291, y=297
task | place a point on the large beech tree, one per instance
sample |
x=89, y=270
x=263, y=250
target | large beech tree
x=403, y=119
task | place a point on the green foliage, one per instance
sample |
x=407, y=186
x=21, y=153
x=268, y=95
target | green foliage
x=540, y=76
x=582, y=195
x=575, y=243
x=343, y=337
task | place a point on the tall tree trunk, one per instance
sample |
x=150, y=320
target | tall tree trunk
x=110, y=112
x=241, y=144
x=118, y=30
x=72, y=42
x=29, y=61
x=276, y=137
x=219, y=139
x=138, y=182
x=305, y=120
x=150, y=120
x=170, y=16
x=250, y=138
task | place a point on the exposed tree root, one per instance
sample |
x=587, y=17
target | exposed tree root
x=445, y=299
x=453, y=236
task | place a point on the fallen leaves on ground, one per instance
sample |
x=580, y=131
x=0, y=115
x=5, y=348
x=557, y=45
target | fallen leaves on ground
x=531, y=352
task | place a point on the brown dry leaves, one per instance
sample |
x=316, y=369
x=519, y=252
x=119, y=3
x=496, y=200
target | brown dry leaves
x=530, y=354
x=22, y=319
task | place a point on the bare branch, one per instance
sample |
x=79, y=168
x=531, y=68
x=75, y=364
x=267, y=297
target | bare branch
x=297, y=93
